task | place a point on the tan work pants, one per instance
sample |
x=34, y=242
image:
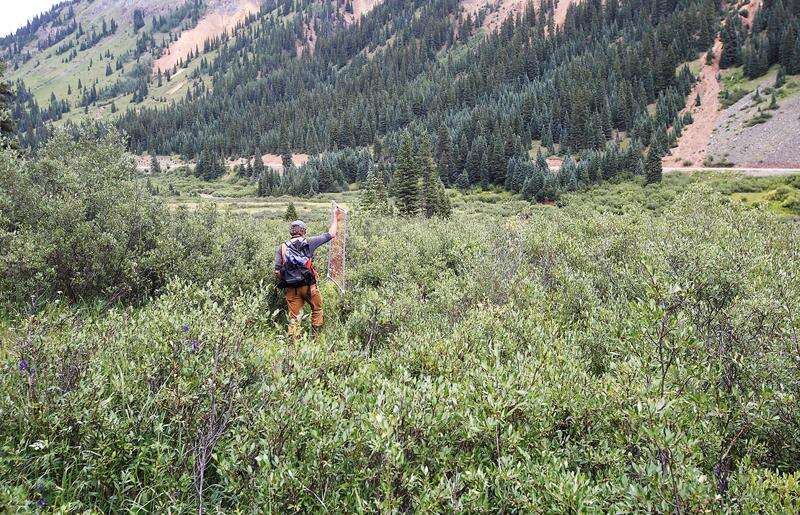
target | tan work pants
x=297, y=298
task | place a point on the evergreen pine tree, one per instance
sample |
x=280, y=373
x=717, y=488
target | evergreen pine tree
x=326, y=180
x=427, y=170
x=374, y=196
x=476, y=160
x=568, y=174
x=286, y=153
x=6, y=123
x=550, y=189
x=291, y=213
x=258, y=169
x=780, y=79
x=533, y=183
x=462, y=181
x=406, y=179
x=773, y=103
x=652, y=165
x=155, y=167
x=443, y=207
x=731, y=43
x=444, y=153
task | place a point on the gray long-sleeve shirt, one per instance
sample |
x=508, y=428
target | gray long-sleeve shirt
x=313, y=243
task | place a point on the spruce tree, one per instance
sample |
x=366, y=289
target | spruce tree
x=6, y=123
x=406, y=179
x=476, y=160
x=568, y=174
x=731, y=42
x=427, y=170
x=258, y=166
x=780, y=79
x=443, y=207
x=291, y=213
x=533, y=183
x=550, y=189
x=444, y=153
x=462, y=181
x=155, y=167
x=286, y=153
x=373, y=196
x=652, y=165
x=326, y=181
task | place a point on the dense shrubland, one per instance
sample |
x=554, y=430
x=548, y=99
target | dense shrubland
x=74, y=222
x=514, y=357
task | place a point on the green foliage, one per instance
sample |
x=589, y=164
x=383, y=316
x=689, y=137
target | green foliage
x=74, y=223
x=155, y=166
x=759, y=118
x=373, y=195
x=406, y=179
x=6, y=122
x=291, y=213
x=572, y=360
x=652, y=165
x=433, y=198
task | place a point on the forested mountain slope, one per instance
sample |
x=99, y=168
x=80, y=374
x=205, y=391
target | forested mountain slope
x=493, y=80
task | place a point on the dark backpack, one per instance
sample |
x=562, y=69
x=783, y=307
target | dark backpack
x=297, y=269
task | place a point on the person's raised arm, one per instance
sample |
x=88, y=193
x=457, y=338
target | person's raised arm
x=334, y=228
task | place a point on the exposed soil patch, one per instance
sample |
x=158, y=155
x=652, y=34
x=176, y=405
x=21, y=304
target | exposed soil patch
x=560, y=14
x=273, y=161
x=693, y=143
x=223, y=16
x=500, y=10
x=170, y=163
x=165, y=162
x=360, y=8
x=752, y=7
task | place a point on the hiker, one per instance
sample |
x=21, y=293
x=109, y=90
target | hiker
x=294, y=270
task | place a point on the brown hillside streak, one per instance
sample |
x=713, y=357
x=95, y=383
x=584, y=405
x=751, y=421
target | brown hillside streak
x=693, y=145
x=500, y=10
x=220, y=19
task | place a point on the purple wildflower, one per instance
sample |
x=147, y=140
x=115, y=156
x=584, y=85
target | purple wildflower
x=41, y=503
x=23, y=364
x=195, y=345
x=185, y=328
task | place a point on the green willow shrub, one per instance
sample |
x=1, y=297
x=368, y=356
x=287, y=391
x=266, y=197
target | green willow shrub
x=121, y=409
x=547, y=360
x=74, y=222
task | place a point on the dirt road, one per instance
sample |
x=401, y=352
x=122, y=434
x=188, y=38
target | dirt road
x=753, y=172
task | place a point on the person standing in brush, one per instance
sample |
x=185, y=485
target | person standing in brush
x=294, y=270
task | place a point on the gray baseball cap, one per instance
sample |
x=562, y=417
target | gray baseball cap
x=297, y=224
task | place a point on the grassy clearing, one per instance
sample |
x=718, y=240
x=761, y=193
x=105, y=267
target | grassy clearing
x=628, y=196
x=735, y=85
x=790, y=88
x=783, y=199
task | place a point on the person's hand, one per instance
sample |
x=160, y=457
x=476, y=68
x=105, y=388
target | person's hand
x=276, y=273
x=338, y=213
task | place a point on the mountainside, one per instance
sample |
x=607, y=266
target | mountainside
x=492, y=79
x=734, y=125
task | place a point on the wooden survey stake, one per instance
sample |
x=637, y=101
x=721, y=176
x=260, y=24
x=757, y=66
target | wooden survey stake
x=338, y=251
